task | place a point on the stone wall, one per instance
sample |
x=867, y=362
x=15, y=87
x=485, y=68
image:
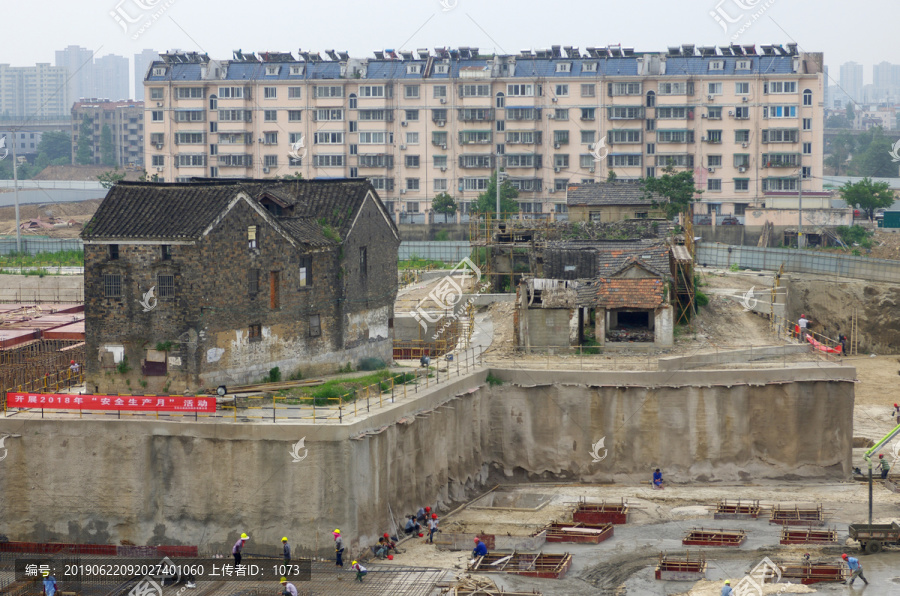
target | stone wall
x=154, y=482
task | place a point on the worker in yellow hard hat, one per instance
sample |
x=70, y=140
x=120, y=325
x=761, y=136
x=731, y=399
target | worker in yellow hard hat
x=238, y=547
x=287, y=550
x=338, y=549
x=726, y=589
x=287, y=588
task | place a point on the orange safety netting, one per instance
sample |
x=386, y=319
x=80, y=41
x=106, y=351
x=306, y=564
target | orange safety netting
x=822, y=347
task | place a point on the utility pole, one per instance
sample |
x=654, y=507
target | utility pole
x=498, y=185
x=800, y=241
x=16, y=194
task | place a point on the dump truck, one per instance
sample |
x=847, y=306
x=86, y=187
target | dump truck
x=873, y=537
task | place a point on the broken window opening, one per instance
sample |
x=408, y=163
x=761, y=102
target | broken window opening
x=315, y=326
x=255, y=332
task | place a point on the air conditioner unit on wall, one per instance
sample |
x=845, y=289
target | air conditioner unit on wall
x=710, y=97
x=730, y=113
x=552, y=190
x=402, y=147
x=703, y=115
x=443, y=146
x=402, y=191
x=443, y=100
x=742, y=170
x=744, y=145
x=265, y=170
x=441, y=123
x=443, y=169
x=159, y=146
x=404, y=123
x=745, y=99
x=710, y=170
x=591, y=170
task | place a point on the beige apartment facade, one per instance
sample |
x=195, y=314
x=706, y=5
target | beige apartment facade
x=743, y=121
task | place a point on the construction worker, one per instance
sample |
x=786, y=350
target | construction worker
x=855, y=569
x=360, y=571
x=480, y=548
x=803, y=323
x=381, y=550
x=238, y=547
x=391, y=545
x=287, y=550
x=432, y=527
x=412, y=526
x=287, y=588
x=421, y=515
x=338, y=549
x=657, y=478
x=49, y=585
x=885, y=466
x=726, y=589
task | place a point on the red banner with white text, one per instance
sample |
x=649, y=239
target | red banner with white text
x=64, y=401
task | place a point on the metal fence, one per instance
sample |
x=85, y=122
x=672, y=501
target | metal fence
x=451, y=251
x=64, y=184
x=33, y=246
x=798, y=261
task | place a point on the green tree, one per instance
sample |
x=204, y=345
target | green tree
x=56, y=144
x=837, y=121
x=873, y=156
x=107, y=151
x=108, y=179
x=444, y=204
x=487, y=201
x=41, y=161
x=678, y=188
x=851, y=113
x=294, y=176
x=611, y=177
x=867, y=196
x=83, y=152
x=144, y=178
x=841, y=147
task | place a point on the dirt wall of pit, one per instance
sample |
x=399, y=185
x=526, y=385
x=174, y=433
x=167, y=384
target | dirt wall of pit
x=829, y=302
x=148, y=482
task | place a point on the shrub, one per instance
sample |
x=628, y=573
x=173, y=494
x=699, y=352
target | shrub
x=494, y=381
x=700, y=298
x=371, y=364
x=734, y=268
x=274, y=375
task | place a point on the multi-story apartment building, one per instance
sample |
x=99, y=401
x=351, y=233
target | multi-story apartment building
x=141, y=64
x=26, y=141
x=126, y=123
x=743, y=121
x=34, y=92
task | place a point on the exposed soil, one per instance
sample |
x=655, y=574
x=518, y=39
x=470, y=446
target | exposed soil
x=79, y=212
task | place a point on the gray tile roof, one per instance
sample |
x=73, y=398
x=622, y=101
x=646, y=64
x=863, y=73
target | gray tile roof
x=608, y=193
x=587, y=260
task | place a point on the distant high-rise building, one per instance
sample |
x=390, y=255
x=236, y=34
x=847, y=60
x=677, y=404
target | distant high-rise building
x=80, y=64
x=852, y=80
x=111, y=80
x=886, y=81
x=142, y=62
x=37, y=91
x=126, y=122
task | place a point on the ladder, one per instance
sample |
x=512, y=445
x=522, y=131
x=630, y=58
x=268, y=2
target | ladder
x=854, y=332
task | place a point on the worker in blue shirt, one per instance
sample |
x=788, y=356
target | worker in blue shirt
x=855, y=569
x=657, y=478
x=726, y=589
x=480, y=549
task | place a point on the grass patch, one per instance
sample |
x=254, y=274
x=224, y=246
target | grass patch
x=63, y=258
x=734, y=268
x=414, y=262
x=494, y=381
x=345, y=389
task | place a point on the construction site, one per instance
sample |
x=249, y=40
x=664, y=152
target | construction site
x=567, y=364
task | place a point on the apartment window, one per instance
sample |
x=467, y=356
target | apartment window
x=714, y=184
x=473, y=183
x=622, y=112
x=253, y=282
x=677, y=160
x=440, y=184
x=624, y=135
x=213, y=127
x=156, y=93
x=294, y=115
x=742, y=113
x=561, y=114
x=354, y=126
x=714, y=161
x=440, y=91
x=411, y=91
x=158, y=161
x=807, y=97
x=270, y=161
x=651, y=125
x=560, y=137
x=328, y=161
x=615, y=89
x=779, y=111
x=780, y=135
x=412, y=115
x=807, y=124
x=353, y=101
x=329, y=138
x=113, y=252
x=252, y=232
x=412, y=138
x=623, y=160
x=440, y=161
x=742, y=160
x=523, y=113
x=235, y=116
x=156, y=116
x=371, y=138
x=412, y=161
x=742, y=136
x=439, y=115
x=165, y=252
x=190, y=138
x=254, y=332
x=740, y=208
x=560, y=161
x=807, y=148
x=741, y=184
x=190, y=115
x=806, y=171
x=190, y=161
x=675, y=136
x=189, y=93
x=501, y=100
x=213, y=102
x=681, y=88
x=742, y=88
x=562, y=90
x=714, y=88
x=315, y=326
x=474, y=90
x=270, y=138
x=412, y=184
x=716, y=65
x=780, y=87
x=270, y=92
x=588, y=113
x=500, y=125
x=714, y=136
x=295, y=92
x=270, y=115
x=588, y=90
x=165, y=284
x=112, y=285
x=439, y=138
x=233, y=93
x=380, y=115
x=354, y=150
x=322, y=91
x=520, y=90
x=651, y=148
x=363, y=262
x=477, y=137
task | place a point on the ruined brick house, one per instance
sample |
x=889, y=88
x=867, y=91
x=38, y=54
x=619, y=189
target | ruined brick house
x=605, y=202
x=214, y=282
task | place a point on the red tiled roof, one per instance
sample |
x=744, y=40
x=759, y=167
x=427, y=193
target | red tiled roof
x=628, y=293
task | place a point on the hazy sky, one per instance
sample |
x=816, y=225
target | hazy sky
x=860, y=31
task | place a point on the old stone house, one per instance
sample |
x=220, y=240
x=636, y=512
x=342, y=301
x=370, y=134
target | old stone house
x=606, y=202
x=215, y=282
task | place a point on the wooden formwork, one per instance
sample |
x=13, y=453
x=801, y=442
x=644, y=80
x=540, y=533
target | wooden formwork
x=681, y=568
x=527, y=564
x=813, y=573
x=601, y=513
x=702, y=537
x=578, y=532
x=798, y=516
x=737, y=510
x=793, y=535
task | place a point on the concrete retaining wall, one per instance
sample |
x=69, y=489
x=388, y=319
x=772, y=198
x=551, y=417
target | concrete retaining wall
x=731, y=356
x=154, y=482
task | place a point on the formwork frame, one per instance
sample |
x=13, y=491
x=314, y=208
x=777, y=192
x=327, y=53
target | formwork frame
x=793, y=535
x=737, y=510
x=541, y=565
x=721, y=537
x=600, y=513
x=814, y=573
x=798, y=516
x=681, y=568
x=578, y=532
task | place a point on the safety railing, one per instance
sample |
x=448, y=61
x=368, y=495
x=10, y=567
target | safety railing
x=317, y=409
x=51, y=382
x=827, y=347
